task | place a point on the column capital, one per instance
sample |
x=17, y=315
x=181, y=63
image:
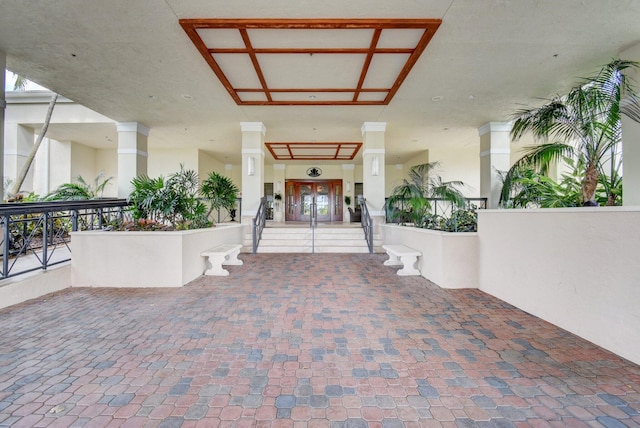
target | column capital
x=348, y=166
x=253, y=127
x=279, y=166
x=133, y=127
x=373, y=127
x=495, y=127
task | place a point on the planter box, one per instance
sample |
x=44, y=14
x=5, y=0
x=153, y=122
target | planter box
x=144, y=259
x=449, y=259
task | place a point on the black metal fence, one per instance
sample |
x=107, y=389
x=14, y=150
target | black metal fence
x=440, y=212
x=35, y=235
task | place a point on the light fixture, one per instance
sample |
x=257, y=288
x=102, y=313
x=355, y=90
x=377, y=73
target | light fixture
x=348, y=186
x=251, y=167
x=375, y=166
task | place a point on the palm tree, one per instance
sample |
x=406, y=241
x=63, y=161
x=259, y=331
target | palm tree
x=220, y=191
x=585, y=124
x=21, y=84
x=415, y=192
x=80, y=190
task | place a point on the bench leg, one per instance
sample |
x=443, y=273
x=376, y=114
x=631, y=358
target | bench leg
x=408, y=268
x=392, y=261
x=233, y=258
x=216, y=266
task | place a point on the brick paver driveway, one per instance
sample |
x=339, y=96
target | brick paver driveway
x=302, y=340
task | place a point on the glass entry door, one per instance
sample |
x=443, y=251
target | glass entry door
x=303, y=196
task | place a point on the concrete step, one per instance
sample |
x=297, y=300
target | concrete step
x=300, y=240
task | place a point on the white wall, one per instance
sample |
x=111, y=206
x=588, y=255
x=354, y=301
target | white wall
x=83, y=162
x=450, y=260
x=460, y=164
x=576, y=268
x=107, y=162
x=167, y=161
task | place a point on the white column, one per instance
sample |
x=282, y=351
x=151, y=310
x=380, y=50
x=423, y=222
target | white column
x=348, y=185
x=252, y=168
x=18, y=142
x=132, y=154
x=3, y=105
x=631, y=159
x=373, y=169
x=631, y=142
x=495, y=153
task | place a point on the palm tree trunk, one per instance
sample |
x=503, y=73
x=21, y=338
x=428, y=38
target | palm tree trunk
x=32, y=154
x=589, y=185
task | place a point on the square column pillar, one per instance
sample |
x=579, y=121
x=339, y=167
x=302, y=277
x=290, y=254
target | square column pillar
x=132, y=154
x=18, y=143
x=3, y=106
x=252, y=168
x=348, y=188
x=631, y=141
x=373, y=168
x=495, y=155
x=631, y=162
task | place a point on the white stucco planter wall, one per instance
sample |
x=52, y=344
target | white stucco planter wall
x=576, y=268
x=144, y=259
x=450, y=260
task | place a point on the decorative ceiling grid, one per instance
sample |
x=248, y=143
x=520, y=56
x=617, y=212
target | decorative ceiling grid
x=311, y=62
x=313, y=151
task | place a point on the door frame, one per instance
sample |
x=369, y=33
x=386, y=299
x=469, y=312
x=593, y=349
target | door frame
x=293, y=197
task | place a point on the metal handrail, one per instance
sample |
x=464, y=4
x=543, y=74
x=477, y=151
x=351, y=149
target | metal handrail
x=34, y=234
x=367, y=224
x=259, y=222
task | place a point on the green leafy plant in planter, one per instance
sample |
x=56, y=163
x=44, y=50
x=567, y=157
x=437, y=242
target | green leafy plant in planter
x=220, y=192
x=409, y=202
x=81, y=190
x=585, y=125
x=171, y=203
x=347, y=200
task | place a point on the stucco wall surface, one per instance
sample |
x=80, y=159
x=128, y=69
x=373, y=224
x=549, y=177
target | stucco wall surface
x=576, y=268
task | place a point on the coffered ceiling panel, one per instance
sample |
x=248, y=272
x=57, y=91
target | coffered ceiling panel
x=311, y=62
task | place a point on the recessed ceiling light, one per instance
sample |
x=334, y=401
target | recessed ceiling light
x=312, y=97
x=472, y=97
x=187, y=96
x=153, y=97
x=437, y=98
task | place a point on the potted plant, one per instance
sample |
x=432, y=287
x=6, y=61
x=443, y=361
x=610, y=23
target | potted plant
x=220, y=191
x=347, y=200
x=278, y=214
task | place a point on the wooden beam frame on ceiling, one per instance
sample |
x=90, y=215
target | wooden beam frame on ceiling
x=378, y=26
x=296, y=147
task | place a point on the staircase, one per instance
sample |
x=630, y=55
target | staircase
x=346, y=238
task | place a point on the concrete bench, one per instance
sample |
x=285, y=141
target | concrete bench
x=401, y=255
x=225, y=254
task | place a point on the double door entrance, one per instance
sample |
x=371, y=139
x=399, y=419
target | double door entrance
x=322, y=198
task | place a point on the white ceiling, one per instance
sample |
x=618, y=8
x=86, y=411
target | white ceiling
x=131, y=61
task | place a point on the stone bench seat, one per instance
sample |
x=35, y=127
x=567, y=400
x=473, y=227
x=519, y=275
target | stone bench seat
x=401, y=255
x=225, y=254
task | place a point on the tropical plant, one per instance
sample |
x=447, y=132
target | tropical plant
x=173, y=201
x=584, y=125
x=220, y=191
x=532, y=189
x=410, y=201
x=82, y=190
